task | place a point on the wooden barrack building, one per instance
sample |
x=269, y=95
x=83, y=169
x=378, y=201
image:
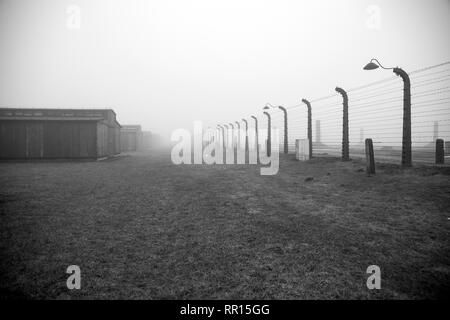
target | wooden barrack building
x=131, y=138
x=58, y=133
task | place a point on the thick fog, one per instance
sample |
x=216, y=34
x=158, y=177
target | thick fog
x=164, y=64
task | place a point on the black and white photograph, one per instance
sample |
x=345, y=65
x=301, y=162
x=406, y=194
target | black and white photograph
x=224, y=154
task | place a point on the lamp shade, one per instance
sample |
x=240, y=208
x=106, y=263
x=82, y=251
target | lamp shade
x=371, y=66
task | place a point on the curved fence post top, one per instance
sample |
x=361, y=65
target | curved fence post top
x=306, y=102
x=403, y=74
x=342, y=92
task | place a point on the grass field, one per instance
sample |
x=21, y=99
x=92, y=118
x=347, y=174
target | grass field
x=140, y=227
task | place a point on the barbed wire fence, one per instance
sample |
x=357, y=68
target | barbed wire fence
x=375, y=111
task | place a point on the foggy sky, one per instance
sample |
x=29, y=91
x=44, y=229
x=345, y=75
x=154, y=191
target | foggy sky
x=164, y=64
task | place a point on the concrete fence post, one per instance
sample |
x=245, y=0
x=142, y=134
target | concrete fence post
x=370, y=157
x=406, y=139
x=440, y=158
x=308, y=105
x=246, y=140
x=269, y=135
x=226, y=142
x=286, y=150
x=233, y=143
x=222, y=141
x=238, y=138
x=256, y=138
x=345, y=140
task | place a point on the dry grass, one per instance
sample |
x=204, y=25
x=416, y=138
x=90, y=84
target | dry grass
x=140, y=227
